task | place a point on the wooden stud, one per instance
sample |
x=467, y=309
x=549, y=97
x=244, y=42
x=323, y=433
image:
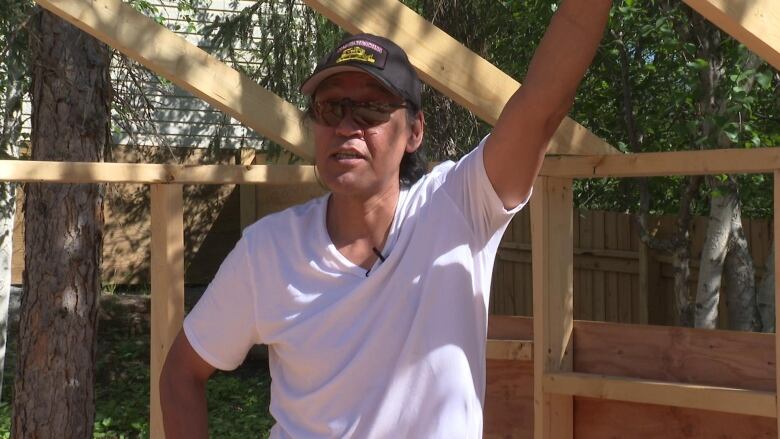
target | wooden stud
x=723, y=399
x=167, y=286
x=552, y=232
x=754, y=23
x=82, y=172
x=776, y=226
x=162, y=51
x=449, y=66
x=520, y=350
x=655, y=164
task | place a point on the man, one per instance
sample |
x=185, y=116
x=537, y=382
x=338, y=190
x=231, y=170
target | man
x=373, y=299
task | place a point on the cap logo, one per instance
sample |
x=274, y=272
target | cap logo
x=356, y=54
x=364, y=52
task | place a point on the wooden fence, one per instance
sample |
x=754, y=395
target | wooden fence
x=616, y=277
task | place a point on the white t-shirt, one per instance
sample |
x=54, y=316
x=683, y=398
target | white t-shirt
x=397, y=353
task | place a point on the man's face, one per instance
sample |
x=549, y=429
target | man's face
x=360, y=160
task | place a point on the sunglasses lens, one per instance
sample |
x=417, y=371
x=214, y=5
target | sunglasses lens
x=365, y=114
x=368, y=117
x=328, y=113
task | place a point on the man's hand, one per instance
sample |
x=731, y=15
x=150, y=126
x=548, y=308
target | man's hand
x=183, y=391
x=515, y=150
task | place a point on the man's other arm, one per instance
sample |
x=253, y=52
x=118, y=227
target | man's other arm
x=515, y=150
x=183, y=391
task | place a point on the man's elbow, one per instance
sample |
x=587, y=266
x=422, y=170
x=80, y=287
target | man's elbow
x=178, y=380
x=556, y=113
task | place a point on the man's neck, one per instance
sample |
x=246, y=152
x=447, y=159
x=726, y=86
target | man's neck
x=358, y=225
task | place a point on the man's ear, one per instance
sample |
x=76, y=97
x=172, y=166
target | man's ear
x=417, y=126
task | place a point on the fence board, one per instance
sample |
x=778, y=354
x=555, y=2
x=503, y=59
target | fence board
x=625, y=293
x=599, y=298
x=607, y=264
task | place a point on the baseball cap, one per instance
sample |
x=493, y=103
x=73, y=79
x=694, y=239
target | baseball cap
x=372, y=54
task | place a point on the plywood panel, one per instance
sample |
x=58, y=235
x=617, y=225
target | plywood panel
x=509, y=411
x=510, y=328
x=708, y=357
x=599, y=419
x=716, y=358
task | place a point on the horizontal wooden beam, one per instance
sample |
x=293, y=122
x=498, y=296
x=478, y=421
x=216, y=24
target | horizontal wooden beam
x=448, y=66
x=754, y=23
x=171, y=56
x=707, y=162
x=520, y=350
x=78, y=172
x=722, y=399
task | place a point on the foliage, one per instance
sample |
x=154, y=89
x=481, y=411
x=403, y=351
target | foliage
x=653, y=48
x=292, y=37
x=239, y=400
x=648, y=65
x=14, y=72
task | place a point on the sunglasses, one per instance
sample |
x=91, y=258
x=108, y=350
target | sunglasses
x=365, y=114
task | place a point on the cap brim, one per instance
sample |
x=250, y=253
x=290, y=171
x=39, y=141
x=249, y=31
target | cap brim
x=310, y=85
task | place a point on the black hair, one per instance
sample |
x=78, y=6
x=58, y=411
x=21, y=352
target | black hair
x=413, y=164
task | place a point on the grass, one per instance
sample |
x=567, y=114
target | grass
x=238, y=401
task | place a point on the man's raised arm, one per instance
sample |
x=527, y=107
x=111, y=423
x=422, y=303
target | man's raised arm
x=515, y=150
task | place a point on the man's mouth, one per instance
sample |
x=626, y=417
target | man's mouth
x=346, y=156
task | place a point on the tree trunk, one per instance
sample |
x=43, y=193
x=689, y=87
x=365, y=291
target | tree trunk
x=723, y=207
x=54, y=387
x=740, y=285
x=765, y=295
x=681, y=262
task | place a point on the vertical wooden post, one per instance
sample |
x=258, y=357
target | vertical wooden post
x=167, y=287
x=246, y=193
x=553, y=274
x=776, y=233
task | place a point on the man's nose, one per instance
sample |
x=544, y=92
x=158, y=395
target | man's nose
x=347, y=126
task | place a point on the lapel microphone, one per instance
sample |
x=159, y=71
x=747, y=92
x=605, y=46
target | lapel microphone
x=379, y=255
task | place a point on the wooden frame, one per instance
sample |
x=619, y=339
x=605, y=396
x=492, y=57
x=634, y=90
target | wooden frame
x=553, y=385
x=167, y=212
x=655, y=164
x=723, y=399
x=553, y=262
x=74, y=172
x=755, y=23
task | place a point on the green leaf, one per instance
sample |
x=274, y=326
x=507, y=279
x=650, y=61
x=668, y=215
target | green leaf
x=764, y=79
